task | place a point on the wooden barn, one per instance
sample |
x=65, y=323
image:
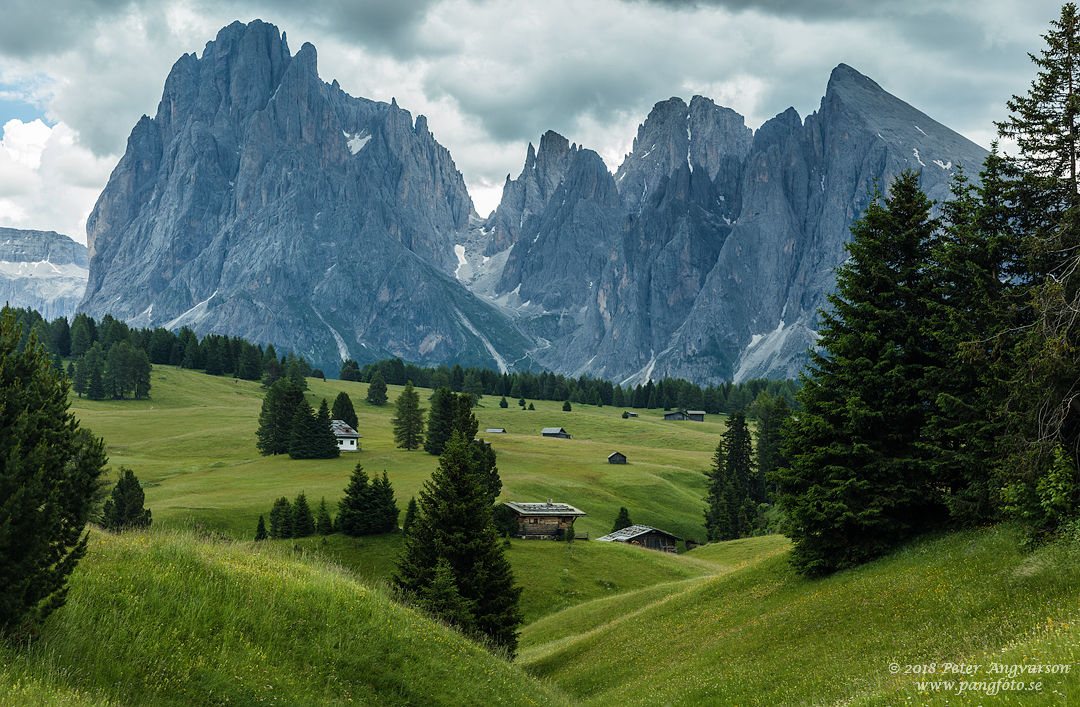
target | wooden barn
x=555, y=432
x=495, y=430
x=643, y=536
x=616, y=458
x=696, y=415
x=631, y=414
x=675, y=415
x=348, y=439
x=544, y=521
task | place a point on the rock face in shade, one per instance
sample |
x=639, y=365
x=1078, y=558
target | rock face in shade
x=42, y=270
x=262, y=202
x=725, y=248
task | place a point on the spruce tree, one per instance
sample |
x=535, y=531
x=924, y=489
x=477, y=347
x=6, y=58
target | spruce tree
x=384, y=508
x=356, y=510
x=49, y=471
x=410, y=515
x=1045, y=123
x=281, y=519
x=442, y=599
x=305, y=436
x=124, y=509
x=859, y=480
x=408, y=419
x=454, y=525
x=303, y=522
x=325, y=444
x=376, y=393
x=324, y=525
x=343, y=410
x=503, y=403
x=622, y=520
x=260, y=530
x=276, y=418
x=440, y=420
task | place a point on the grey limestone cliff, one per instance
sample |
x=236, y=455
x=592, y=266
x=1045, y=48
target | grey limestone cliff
x=263, y=202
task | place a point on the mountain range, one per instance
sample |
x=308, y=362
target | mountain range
x=263, y=202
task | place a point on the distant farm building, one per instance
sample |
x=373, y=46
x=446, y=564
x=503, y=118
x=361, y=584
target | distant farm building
x=643, y=536
x=616, y=458
x=544, y=521
x=555, y=432
x=696, y=415
x=675, y=415
x=631, y=414
x=495, y=431
x=348, y=439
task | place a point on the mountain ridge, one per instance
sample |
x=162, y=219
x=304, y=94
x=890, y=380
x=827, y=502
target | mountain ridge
x=263, y=202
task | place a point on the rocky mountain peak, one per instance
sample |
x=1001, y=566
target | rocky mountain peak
x=528, y=195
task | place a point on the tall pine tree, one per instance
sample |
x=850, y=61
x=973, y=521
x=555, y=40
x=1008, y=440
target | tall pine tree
x=408, y=420
x=454, y=526
x=859, y=480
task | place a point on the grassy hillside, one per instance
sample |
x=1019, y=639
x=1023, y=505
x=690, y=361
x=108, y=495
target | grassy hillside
x=178, y=619
x=195, y=442
x=761, y=635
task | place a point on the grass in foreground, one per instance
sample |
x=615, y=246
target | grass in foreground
x=763, y=636
x=176, y=619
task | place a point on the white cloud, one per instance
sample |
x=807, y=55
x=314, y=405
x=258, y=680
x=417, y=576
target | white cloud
x=47, y=181
x=493, y=75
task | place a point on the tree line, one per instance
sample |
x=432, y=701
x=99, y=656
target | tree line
x=668, y=394
x=366, y=509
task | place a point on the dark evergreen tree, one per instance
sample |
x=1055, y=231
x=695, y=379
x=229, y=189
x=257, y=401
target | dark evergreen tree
x=303, y=521
x=343, y=410
x=376, y=392
x=408, y=420
x=305, y=437
x=356, y=509
x=410, y=515
x=124, y=509
x=622, y=520
x=49, y=471
x=566, y=406
x=325, y=445
x=279, y=408
x=95, y=366
x=442, y=599
x=281, y=519
x=455, y=526
x=81, y=340
x=502, y=402
x=260, y=530
x=350, y=371
x=440, y=420
x=1045, y=123
x=324, y=525
x=384, y=508
x=859, y=480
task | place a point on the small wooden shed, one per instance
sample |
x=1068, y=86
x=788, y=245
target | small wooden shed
x=644, y=536
x=544, y=521
x=616, y=458
x=696, y=415
x=495, y=430
x=555, y=432
x=631, y=414
x=675, y=415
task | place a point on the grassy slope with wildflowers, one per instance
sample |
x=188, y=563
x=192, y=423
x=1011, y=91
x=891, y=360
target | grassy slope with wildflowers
x=169, y=618
x=761, y=635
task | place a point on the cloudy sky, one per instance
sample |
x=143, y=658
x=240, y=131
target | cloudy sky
x=493, y=75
